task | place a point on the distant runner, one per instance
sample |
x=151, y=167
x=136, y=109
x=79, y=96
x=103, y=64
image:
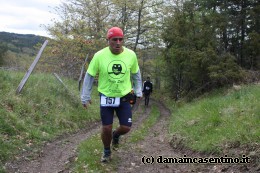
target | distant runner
x=147, y=90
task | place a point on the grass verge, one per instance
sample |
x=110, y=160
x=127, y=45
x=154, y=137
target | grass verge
x=222, y=118
x=42, y=111
x=144, y=128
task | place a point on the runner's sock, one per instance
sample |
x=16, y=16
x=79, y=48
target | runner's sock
x=107, y=151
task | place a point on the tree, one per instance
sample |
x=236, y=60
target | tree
x=78, y=33
x=193, y=52
x=234, y=21
x=198, y=39
x=83, y=25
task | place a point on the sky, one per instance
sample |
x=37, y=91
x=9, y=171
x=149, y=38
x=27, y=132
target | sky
x=27, y=16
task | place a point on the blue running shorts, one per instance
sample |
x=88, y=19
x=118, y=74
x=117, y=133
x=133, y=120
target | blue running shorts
x=123, y=112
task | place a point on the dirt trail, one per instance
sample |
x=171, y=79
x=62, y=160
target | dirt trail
x=58, y=155
x=55, y=156
x=134, y=157
x=155, y=144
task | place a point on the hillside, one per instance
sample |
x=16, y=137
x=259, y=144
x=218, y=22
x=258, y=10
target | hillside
x=43, y=111
x=19, y=43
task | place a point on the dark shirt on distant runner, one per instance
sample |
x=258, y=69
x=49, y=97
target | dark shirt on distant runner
x=148, y=87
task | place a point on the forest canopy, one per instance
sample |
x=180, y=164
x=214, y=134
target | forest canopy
x=186, y=46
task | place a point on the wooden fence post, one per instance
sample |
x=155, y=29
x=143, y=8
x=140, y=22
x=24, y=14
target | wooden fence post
x=29, y=71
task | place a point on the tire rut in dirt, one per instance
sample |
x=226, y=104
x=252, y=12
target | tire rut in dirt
x=55, y=156
x=139, y=116
x=156, y=145
x=153, y=144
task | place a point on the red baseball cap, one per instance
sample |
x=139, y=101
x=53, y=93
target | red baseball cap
x=114, y=32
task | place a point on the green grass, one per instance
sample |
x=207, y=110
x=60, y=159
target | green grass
x=90, y=151
x=144, y=128
x=41, y=112
x=89, y=154
x=209, y=123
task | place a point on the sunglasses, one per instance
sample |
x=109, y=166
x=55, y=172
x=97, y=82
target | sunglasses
x=117, y=39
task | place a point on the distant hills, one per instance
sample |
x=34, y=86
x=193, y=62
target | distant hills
x=20, y=42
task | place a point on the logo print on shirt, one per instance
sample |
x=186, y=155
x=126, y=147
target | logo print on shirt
x=116, y=69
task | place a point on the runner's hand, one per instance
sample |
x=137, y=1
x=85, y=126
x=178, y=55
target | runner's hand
x=87, y=104
x=138, y=100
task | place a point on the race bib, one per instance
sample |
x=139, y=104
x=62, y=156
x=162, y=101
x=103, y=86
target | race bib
x=109, y=101
x=147, y=88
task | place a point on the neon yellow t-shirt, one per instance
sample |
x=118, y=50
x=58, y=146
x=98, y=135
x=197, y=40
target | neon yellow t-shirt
x=114, y=71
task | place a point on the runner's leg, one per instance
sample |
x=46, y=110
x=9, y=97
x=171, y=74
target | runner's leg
x=148, y=98
x=106, y=135
x=124, y=114
x=106, y=114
